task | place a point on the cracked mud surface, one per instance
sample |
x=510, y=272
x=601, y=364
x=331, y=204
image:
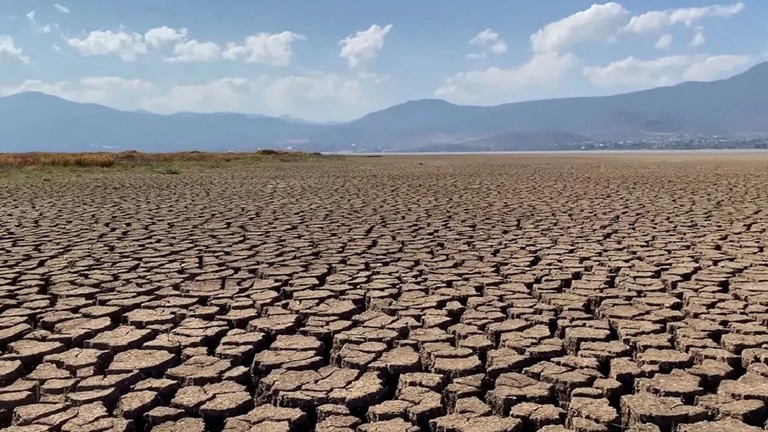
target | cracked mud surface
x=450, y=294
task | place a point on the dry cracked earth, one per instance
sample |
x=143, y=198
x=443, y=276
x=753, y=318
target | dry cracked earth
x=445, y=294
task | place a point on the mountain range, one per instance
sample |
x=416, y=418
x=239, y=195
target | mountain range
x=732, y=107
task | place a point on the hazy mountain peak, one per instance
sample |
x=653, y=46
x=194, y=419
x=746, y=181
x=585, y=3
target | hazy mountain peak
x=437, y=102
x=34, y=96
x=758, y=71
x=738, y=105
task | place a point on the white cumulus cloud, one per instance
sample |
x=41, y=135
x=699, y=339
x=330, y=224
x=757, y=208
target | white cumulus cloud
x=717, y=67
x=489, y=42
x=542, y=70
x=128, y=46
x=8, y=49
x=364, y=45
x=314, y=95
x=116, y=83
x=102, y=90
x=61, y=8
x=599, y=22
x=308, y=95
x=195, y=51
x=160, y=36
x=287, y=91
x=664, y=41
x=549, y=63
x=264, y=48
x=225, y=94
x=39, y=28
x=698, y=39
x=634, y=74
x=60, y=89
x=656, y=20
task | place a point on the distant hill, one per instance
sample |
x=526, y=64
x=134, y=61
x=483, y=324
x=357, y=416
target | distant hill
x=730, y=106
x=292, y=119
x=34, y=121
x=734, y=106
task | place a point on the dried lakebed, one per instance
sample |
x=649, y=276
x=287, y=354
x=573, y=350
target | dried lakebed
x=505, y=293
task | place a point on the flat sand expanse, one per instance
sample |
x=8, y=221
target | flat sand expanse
x=502, y=293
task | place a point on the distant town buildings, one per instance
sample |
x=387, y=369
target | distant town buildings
x=674, y=143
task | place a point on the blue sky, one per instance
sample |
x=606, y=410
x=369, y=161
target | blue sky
x=339, y=59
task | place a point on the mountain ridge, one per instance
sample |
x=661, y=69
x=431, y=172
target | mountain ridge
x=733, y=106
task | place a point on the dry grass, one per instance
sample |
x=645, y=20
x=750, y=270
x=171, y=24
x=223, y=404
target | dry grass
x=134, y=158
x=26, y=160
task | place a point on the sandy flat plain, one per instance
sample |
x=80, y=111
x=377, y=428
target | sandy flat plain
x=502, y=293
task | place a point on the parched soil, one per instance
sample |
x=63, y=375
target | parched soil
x=588, y=293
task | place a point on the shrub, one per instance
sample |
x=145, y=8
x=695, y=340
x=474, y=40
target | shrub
x=168, y=170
